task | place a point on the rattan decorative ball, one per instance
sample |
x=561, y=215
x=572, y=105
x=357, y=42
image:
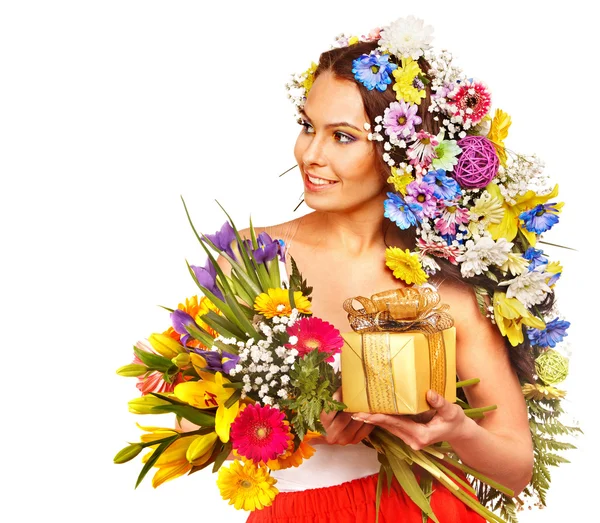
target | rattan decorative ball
x=478, y=164
x=551, y=367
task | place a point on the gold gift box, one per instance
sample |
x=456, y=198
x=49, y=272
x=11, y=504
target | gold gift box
x=396, y=380
x=389, y=372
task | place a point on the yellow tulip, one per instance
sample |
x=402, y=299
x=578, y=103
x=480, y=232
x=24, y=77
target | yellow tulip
x=510, y=316
x=207, y=394
x=165, y=346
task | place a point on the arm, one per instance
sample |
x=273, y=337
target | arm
x=499, y=445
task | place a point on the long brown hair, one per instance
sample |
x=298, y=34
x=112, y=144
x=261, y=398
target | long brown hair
x=339, y=61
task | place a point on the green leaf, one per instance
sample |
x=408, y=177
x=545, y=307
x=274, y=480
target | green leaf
x=154, y=361
x=154, y=457
x=233, y=398
x=222, y=456
x=188, y=412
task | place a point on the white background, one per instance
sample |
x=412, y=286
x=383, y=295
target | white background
x=112, y=110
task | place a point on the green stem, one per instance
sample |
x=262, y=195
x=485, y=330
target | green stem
x=477, y=412
x=467, y=383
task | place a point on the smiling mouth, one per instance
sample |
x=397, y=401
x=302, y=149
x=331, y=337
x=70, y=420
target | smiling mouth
x=319, y=181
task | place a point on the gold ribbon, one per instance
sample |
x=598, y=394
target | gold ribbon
x=398, y=310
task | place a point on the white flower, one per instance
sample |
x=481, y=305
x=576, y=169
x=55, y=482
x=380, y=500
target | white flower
x=479, y=256
x=282, y=393
x=267, y=400
x=284, y=379
x=293, y=340
x=515, y=264
x=529, y=288
x=406, y=37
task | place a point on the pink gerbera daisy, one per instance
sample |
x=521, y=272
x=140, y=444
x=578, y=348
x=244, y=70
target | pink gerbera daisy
x=471, y=102
x=260, y=433
x=449, y=216
x=314, y=333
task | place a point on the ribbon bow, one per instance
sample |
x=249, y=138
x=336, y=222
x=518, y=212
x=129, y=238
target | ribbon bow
x=399, y=310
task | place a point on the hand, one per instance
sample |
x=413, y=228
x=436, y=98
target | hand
x=341, y=428
x=448, y=423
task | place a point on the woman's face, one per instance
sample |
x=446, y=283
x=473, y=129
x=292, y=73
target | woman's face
x=339, y=165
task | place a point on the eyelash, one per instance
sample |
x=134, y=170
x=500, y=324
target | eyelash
x=348, y=137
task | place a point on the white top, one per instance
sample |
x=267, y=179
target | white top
x=330, y=464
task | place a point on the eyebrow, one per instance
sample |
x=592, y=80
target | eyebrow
x=334, y=124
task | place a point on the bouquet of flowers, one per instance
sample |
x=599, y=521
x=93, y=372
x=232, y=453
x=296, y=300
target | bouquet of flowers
x=246, y=364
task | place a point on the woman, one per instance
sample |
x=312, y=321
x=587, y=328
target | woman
x=340, y=248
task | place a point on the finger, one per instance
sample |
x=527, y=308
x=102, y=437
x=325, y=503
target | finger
x=342, y=429
x=363, y=432
x=412, y=433
x=445, y=410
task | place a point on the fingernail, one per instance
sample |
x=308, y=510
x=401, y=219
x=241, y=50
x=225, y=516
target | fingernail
x=434, y=397
x=356, y=418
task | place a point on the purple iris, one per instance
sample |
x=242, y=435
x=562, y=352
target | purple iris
x=536, y=257
x=540, y=218
x=373, y=71
x=207, y=277
x=402, y=213
x=444, y=187
x=552, y=335
x=217, y=361
x=223, y=239
x=267, y=248
x=180, y=319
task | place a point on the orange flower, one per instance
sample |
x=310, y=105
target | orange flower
x=294, y=458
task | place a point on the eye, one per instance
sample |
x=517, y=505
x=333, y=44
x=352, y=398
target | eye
x=343, y=137
x=308, y=128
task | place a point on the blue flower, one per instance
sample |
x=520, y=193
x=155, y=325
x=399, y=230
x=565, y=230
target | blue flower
x=541, y=218
x=536, y=257
x=403, y=214
x=552, y=335
x=444, y=187
x=373, y=71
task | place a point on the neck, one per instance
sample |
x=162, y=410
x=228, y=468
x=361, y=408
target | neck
x=356, y=231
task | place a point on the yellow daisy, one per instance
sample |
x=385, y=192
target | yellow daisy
x=406, y=265
x=276, y=302
x=408, y=86
x=400, y=179
x=247, y=486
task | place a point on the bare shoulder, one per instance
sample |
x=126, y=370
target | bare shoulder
x=281, y=231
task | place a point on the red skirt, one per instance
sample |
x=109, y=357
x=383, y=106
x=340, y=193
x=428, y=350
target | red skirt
x=354, y=501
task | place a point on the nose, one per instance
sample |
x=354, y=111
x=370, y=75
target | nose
x=313, y=154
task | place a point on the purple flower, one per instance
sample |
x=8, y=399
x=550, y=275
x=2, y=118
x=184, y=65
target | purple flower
x=402, y=213
x=373, y=71
x=444, y=187
x=281, y=251
x=223, y=238
x=422, y=194
x=541, y=218
x=400, y=118
x=267, y=248
x=180, y=320
x=218, y=362
x=207, y=277
x=536, y=257
x=552, y=335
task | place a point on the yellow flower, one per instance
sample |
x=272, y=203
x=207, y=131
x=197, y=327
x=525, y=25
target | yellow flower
x=510, y=316
x=405, y=82
x=499, y=132
x=180, y=456
x=353, y=40
x=309, y=75
x=206, y=394
x=276, y=302
x=400, y=179
x=406, y=265
x=246, y=486
x=511, y=224
x=487, y=209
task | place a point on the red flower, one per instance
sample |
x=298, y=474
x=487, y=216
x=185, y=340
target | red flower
x=260, y=433
x=472, y=102
x=314, y=333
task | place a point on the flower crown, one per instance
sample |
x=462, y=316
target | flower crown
x=472, y=202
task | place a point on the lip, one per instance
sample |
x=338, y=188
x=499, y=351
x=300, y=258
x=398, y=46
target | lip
x=317, y=188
